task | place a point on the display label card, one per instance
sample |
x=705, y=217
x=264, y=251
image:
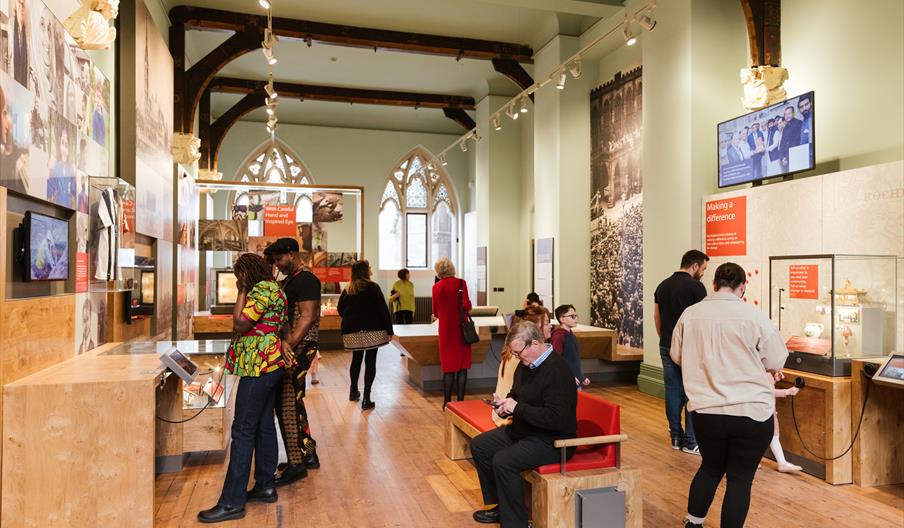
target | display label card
x=726, y=227
x=279, y=221
x=328, y=274
x=804, y=281
x=81, y=272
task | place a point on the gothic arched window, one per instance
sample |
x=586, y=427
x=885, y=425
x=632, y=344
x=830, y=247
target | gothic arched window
x=418, y=214
x=275, y=162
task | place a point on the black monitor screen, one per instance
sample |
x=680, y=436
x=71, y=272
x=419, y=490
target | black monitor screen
x=775, y=141
x=47, y=247
x=894, y=368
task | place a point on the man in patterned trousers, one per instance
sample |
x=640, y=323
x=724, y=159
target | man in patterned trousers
x=302, y=290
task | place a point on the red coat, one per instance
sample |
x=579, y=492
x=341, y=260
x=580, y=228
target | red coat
x=454, y=355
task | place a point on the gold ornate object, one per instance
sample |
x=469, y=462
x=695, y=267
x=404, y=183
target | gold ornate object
x=848, y=295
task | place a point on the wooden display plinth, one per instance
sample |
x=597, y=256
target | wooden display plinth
x=823, y=412
x=205, y=323
x=878, y=454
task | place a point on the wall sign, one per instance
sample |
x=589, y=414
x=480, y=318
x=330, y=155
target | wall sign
x=804, y=281
x=279, y=221
x=726, y=227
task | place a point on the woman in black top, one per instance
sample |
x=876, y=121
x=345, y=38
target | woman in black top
x=363, y=309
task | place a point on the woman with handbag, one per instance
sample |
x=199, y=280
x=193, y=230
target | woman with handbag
x=366, y=326
x=451, y=305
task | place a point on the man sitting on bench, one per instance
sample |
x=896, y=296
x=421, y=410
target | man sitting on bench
x=542, y=405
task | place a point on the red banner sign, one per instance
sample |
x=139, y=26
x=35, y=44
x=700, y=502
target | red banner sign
x=279, y=221
x=81, y=272
x=332, y=274
x=128, y=216
x=804, y=281
x=726, y=227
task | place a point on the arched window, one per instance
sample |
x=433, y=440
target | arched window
x=275, y=162
x=418, y=214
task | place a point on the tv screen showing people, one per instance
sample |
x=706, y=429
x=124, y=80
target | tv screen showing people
x=47, y=247
x=775, y=141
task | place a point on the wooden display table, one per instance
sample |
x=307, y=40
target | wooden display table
x=601, y=343
x=877, y=452
x=823, y=411
x=205, y=323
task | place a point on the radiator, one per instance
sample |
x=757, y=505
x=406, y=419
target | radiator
x=423, y=309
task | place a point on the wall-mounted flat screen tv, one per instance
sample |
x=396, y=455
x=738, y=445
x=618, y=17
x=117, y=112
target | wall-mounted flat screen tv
x=775, y=141
x=46, y=247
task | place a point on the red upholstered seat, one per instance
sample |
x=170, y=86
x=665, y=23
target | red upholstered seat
x=596, y=417
x=475, y=412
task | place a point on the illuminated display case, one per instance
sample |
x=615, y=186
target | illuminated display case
x=832, y=308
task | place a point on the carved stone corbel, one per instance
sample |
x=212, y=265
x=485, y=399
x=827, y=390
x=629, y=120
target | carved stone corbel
x=186, y=148
x=90, y=24
x=763, y=86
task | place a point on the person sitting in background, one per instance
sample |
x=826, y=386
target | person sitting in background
x=542, y=404
x=402, y=298
x=535, y=314
x=532, y=299
x=565, y=343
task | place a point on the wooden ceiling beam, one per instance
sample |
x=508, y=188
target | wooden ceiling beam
x=377, y=39
x=764, y=31
x=459, y=116
x=515, y=72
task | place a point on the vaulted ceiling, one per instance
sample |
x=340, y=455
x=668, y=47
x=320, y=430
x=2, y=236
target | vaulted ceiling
x=526, y=22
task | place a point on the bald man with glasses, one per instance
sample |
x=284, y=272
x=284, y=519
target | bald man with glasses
x=542, y=404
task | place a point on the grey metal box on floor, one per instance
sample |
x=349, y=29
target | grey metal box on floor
x=600, y=508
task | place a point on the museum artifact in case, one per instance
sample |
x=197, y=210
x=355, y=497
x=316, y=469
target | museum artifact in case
x=832, y=308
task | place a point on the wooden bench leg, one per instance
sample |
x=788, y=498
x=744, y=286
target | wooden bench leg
x=457, y=442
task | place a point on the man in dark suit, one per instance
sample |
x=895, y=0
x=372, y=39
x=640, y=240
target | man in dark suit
x=790, y=135
x=757, y=143
x=734, y=151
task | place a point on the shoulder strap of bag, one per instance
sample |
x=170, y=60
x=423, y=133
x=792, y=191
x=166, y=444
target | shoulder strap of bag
x=461, y=309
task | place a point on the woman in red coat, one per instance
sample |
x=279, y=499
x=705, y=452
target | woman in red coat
x=454, y=354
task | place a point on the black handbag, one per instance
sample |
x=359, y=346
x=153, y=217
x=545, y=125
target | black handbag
x=468, y=332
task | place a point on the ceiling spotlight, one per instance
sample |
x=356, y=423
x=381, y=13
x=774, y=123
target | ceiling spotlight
x=510, y=111
x=524, y=105
x=561, y=84
x=268, y=53
x=270, y=110
x=630, y=39
x=464, y=145
x=575, y=68
x=442, y=159
x=647, y=21
x=264, y=3
x=430, y=165
x=476, y=137
x=496, y=124
x=271, y=92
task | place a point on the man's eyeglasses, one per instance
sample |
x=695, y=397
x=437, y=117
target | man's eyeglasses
x=518, y=353
x=573, y=316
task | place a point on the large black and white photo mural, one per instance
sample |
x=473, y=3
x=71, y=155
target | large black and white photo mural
x=616, y=208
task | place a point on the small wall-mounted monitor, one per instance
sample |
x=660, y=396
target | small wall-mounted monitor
x=891, y=371
x=227, y=290
x=46, y=247
x=180, y=365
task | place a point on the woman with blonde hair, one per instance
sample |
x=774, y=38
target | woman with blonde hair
x=366, y=326
x=535, y=313
x=450, y=303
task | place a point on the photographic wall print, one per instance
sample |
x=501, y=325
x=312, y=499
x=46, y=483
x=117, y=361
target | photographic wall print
x=616, y=214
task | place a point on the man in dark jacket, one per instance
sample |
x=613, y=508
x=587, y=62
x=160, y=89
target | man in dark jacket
x=542, y=405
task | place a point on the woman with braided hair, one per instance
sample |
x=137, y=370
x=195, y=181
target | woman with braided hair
x=256, y=355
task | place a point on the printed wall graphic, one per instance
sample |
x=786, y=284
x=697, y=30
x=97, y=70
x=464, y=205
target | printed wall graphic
x=726, y=227
x=804, y=281
x=55, y=105
x=187, y=253
x=543, y=251
x=90, y=321
x=222, y=235
x=319, y=238
x=163, y=303
x=279, y=220
x=616, y=214
x=327, y=207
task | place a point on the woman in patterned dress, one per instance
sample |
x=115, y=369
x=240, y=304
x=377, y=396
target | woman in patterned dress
x=256, y=355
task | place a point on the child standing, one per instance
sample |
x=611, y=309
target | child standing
x=776, y=446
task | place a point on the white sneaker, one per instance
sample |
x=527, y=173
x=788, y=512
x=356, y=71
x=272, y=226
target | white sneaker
x=691, y=449
x=788, y=467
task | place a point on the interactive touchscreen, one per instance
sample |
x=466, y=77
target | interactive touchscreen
x=894, y=368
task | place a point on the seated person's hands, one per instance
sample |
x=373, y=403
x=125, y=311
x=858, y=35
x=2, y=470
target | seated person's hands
x=505, y=407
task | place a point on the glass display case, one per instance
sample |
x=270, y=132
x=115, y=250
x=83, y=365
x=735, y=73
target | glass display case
x=832, y=308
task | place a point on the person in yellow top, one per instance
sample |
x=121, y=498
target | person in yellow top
x=402, y=298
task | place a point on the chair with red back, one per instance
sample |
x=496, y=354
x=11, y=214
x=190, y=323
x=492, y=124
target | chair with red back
x=597, y=419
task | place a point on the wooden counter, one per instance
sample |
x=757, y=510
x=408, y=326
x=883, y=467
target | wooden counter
x=79, y=442
x=600, y=343
x=420, y=342
x=823, y=411
x=206, y=323
x=878, y=453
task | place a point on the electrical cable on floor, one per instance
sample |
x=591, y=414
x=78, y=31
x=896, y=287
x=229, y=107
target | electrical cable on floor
x=856, y=433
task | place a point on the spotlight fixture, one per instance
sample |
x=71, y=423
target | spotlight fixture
x=510, y=111
x=647, y=21
x=430, y=165
x=630, y=39
x=464, y=145
x=562, y=77
x=476, y=137
x=575, y=68
x=524, y=105
x=496, y=124
x=268, y=53
x=270, y=40
x=442, y=159
x=271, y=92
x=264, y=3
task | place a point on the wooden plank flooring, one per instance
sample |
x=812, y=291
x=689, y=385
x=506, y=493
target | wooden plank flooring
x=386, y=468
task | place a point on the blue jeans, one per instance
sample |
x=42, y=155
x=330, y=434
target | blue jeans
x=253, y=432
x=675, y=399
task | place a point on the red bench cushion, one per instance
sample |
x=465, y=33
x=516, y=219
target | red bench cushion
x=596, y=417
x=475, y=412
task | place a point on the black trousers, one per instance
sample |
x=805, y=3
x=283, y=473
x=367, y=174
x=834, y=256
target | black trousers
x=500, y=461
x=253, y=432
x=404, y=317
x=370, y=369
x=731, y=445
x=290, y=409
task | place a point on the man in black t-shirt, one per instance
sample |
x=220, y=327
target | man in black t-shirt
x=672, y=296
x=300, y=337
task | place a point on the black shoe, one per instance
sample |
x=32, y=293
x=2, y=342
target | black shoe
x=282, y=467
x=264, y=495
x=367, y=404
x=221, y=513
x=487, y=516
x=689, y=524
x=354, y=395
x=290, y=475
x=312, y=461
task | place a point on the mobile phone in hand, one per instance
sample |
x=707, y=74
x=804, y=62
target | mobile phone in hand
x=490, y=402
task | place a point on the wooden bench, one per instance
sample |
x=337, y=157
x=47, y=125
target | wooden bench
x=596, y=462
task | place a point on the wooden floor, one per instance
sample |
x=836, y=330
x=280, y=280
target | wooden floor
x=386, y=468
